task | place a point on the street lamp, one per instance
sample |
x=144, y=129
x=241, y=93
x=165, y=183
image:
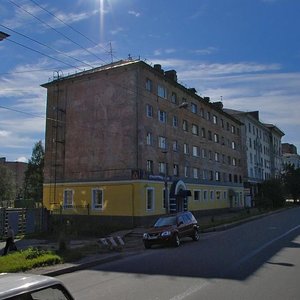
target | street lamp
x=166, y=194
x=3, y=35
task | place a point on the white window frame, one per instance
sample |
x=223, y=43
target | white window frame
x=149, y=138
x=195, y=173
x=162, y=91
x=195, y=129
x=162, y=142
x=149, y=110
x=67, y=202
x=162, y=116
x=95, y=205
x=195, y=151
x=150, y=201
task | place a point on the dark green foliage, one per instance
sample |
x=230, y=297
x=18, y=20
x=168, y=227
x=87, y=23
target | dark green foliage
x=271, y=194
x=34, y=175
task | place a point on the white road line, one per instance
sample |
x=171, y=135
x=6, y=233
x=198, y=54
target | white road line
x=190, y=291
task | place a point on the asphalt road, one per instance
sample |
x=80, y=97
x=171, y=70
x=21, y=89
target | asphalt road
x=256, y=260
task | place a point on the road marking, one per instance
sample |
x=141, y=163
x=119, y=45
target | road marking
x=255, y=252
x=190, y=291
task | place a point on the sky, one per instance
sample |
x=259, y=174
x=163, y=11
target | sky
x=243, y=52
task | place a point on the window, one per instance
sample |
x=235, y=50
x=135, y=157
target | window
x=150, y=199
x=204, y=153
x=149, y=111
x=162, y=142
x=234, y=161
x=218, y=176
x=210, y=155
x=150, y=166
x=202, y=112
x=204, y=174
x=149, y=85
x=162, y=91
x=186, y=171
x=149, y=138
x=208, y=116
x=176, y=170
x=174, y=98
x=162, y=168
x=205, y=195
x=222, y=123
x=232, y=129
x=209, y=135
x=217, y=156
x=162, y=116
x=225, y=195
x=175, y=121
x=175, y=146
x=197, y=195
x=215, y=119
x=195, y=151
x=218, y=195
x=68, y=198
x=216, y=138
x=203, y=132
x=193, y=108
x=97, y=199
x=211, y=175
x=195, y=129
x=195, y=173
x=211, y=195
x=233, y=145
x=185, y=148
x=185, y=125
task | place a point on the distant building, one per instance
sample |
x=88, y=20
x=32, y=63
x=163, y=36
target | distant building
x=262, y=150
x=290, y=155
x=18, y=170
x=121, y=135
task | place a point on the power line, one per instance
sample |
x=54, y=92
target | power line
x=37, y=51
x=71, y=27
x=42, y=44
x=51, y=27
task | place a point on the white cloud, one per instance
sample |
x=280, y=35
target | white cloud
x=134, y=13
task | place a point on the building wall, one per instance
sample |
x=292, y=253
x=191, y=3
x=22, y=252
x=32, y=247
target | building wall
x=96, y=138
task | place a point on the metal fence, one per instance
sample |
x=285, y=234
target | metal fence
x=24, y=221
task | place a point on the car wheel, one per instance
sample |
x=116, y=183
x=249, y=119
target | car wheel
x=147, y=245
x=176, y=240
x=195, y=236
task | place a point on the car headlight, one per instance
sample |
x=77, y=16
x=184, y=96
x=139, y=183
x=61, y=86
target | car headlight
x=166, y=233
x=145, y=236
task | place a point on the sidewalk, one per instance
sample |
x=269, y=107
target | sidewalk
x=132, y=239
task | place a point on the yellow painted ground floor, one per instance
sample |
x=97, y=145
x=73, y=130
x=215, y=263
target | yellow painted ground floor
x=138, y=198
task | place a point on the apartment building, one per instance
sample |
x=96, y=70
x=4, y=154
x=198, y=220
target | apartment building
x=262, y=148
x=290, y=155
x=127, y=140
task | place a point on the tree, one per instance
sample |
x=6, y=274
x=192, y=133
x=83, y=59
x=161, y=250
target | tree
x=271, y=194
x=292, y=182
x=7, y=185
x=34, y=175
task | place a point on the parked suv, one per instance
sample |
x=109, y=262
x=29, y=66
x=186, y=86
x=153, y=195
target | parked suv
x=171, y=228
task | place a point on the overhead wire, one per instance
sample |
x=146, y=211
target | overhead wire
x=58, y=32
x=44, y=45
x=71, y=27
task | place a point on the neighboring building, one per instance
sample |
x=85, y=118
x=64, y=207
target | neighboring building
x=117, y=134
x=18, y=170
x=290, y=155
x=262, y=150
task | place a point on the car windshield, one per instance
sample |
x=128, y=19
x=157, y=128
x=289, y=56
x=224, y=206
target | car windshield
x=165, y=221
